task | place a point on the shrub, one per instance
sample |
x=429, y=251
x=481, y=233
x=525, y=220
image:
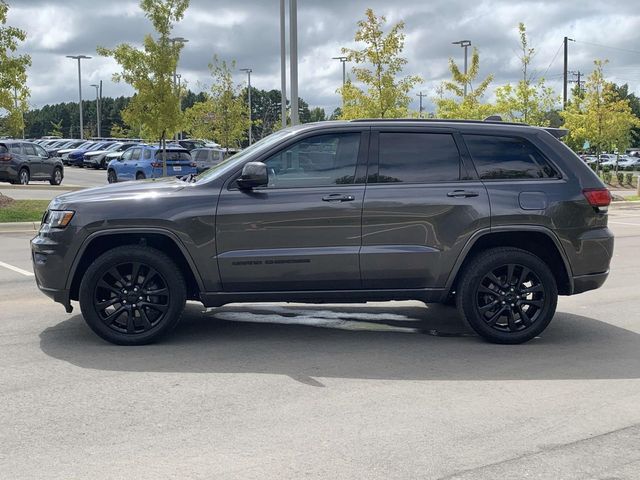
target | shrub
x=620, y=178
x=628, y=179
x=606, y=176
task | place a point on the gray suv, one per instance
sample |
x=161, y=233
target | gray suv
x=497, y=218
x=21, y=162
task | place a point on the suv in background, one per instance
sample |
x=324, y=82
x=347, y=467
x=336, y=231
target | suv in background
x=145, y=161
x=206, y=158
x=497, y=218
x=21, y=162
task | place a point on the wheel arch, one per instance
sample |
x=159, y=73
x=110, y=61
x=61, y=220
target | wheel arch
x=160, y=239
x=537, y=240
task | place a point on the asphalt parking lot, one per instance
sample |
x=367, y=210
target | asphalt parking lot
x=377, y=391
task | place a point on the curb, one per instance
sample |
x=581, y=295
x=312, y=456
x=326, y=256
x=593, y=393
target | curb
x=19, y=227
x=61, y=188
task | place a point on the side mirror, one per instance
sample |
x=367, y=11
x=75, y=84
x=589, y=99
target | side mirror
x=254, y=174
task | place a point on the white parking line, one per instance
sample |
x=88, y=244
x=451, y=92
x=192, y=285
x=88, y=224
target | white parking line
x=16, y=269
x=624, y=223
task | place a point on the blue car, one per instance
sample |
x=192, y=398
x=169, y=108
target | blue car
x=76, y=157
x=145, y=161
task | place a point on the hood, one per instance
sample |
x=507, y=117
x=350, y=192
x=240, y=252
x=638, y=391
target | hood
x=138, y=190
x=96, y=152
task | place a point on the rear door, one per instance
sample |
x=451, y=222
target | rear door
x=423, y=202
x=302, y=231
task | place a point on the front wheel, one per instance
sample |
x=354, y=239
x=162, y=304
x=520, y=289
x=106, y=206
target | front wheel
x=111, y=176
x=132, y=295
x=56, y=178
x=507, y=295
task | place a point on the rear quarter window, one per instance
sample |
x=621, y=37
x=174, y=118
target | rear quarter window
x=505, y=158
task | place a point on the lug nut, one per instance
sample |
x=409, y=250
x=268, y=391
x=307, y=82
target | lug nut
x=124, y=301
x=511, y=305
x=503, y=302
x=134, y=305
x=124, y=291
x=139, y=298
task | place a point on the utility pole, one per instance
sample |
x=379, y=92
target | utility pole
x=344, y=68
x=97, y=87
x=180, y=97
x=293, y=59
x=578, y=76
x=464, y=44
x=565, y=70
x=283, y=66
x=80, y=57
x=248, y=70
x=421, y=95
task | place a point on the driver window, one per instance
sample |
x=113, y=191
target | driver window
x=41, y=151
x=126, y=155
x=316, y=161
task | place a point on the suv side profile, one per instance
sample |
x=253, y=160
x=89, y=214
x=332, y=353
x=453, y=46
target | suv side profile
x=145, y=161
x=21, y=162
x=497, y=218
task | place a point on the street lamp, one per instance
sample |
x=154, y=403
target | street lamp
x=464, y=44
x=344, y=68
x=248, y=70
x=173, y=41
x=97, y=87
x=80, y=57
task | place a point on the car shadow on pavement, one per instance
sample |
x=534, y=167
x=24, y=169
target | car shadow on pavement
x=369, y=342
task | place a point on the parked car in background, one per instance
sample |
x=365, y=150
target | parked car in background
x=68, y=145
x=629, y=162
x=98, y=158
x=590, y=159
x=206, y=158
x=190, y=144
x=608, y=159
x=64, y=153
x=21, y=162
x=77, y=158
x=145, y=161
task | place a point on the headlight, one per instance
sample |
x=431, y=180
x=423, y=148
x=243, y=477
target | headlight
x=58, y=218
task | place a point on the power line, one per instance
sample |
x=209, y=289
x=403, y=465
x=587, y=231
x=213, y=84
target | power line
x=607, y=46
x=554, y=59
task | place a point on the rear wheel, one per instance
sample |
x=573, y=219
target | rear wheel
x=56, y=178
x=140, y=176
x=23, y=176
x=111, y=176
x=507, y=295
x=132, y=295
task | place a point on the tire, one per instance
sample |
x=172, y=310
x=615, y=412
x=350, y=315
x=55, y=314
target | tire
x=103, y=164
x=112, y=177
x=507, y=295
x=140, y=176
x=136, y=317
x=56, y=178
x=23, y=176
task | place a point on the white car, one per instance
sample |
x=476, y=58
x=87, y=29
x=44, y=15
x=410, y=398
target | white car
x=629, y=161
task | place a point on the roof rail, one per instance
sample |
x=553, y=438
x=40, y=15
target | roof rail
x=493, y=119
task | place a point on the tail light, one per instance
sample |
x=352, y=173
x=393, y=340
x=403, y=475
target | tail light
x=5, y=157
x=598, y=197
x=156, y=164
x=193, y=164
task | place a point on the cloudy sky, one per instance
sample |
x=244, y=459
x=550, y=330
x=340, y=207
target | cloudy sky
x=248, y=31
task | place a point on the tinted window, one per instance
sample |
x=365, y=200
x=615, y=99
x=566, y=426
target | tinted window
x=201, y=155
x=174, y=155
x=507, y=158
x=40, y=151
x=135, y=155
x=147, y=154
x=15, y=148
x=316, y=161
x=28, y=149
x=418, y=158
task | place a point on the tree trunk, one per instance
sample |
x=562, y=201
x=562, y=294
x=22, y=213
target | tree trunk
x=164, y=153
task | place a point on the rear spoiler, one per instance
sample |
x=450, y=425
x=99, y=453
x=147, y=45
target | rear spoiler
x=557, y=132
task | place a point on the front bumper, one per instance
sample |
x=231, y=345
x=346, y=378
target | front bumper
x=48, y=256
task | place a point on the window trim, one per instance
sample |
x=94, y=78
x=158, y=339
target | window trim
x=560, y=175
x=361, y=162
x=464, y=174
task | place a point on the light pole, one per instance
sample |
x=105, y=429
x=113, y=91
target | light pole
x=80, y=57
x=293, y=59
x=97, y=87
x=248, y=70
x=283, y=67
x=421, y=95
x=344, y=68
x=464, y=44
x=173, y=41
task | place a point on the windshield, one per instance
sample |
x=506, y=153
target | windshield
x=230, y=162
x=113, y=147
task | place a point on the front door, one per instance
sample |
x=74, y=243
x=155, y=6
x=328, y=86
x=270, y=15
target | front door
x=126, y=170
x=302, y=231
x=35, y=163
x=46, y=163
x=423, y=202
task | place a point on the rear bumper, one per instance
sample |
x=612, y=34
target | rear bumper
x=584, y=283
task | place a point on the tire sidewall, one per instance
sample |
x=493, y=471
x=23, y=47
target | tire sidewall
x=162, y=264
x=112, y=177
x=23, y=171
x=477, y=270
x=54, y=180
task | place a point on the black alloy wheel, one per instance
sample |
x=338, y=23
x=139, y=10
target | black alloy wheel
x=56, y=178
x=112, y=177
x=23, y=176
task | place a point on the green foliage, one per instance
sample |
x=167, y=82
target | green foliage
x=155, y=108
x=628, y=179
x=620, y=178
x=14, y=93
x=224, y=115
x=22, y=210
x=527, y=101
x=606, y=176
x=56, y=129
x=318, y=115
x=386, y=95
x=451, y=101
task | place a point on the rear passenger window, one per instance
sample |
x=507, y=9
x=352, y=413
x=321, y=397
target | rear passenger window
x=418, y=158
x=147, y=154
x=28, y=149
x=15, y=148
x=498, y=158
x=135, y=155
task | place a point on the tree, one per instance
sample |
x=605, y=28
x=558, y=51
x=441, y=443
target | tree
x=224, y=115
x=386, y=95
x=14, y=92
x=155, y=108
x=461, y=106
x=527, y=101
x=622, y=93
x=56, y=129
x=318, y=115
x=600, y=116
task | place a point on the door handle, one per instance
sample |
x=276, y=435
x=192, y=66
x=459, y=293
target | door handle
x=338, y=197
x=462, y=194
